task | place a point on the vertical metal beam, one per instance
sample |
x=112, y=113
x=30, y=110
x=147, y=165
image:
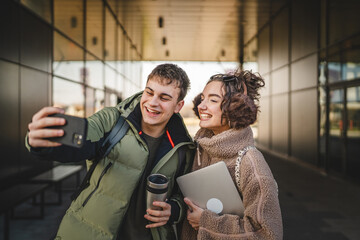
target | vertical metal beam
x=290, y=9
x=241, y=34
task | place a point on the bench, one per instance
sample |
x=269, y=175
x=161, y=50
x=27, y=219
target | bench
x=14, y=196
x=55, y=176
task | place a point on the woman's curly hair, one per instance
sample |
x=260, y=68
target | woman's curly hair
x=240, y=103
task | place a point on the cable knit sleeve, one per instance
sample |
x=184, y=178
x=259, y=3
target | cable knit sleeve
x=262, y=215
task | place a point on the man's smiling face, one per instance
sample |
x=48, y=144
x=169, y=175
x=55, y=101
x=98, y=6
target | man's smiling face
x=158, y=103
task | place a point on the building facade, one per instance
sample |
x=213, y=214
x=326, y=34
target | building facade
x=74, y=54
x=309, y=54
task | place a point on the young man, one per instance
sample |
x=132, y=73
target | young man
x=113, y=206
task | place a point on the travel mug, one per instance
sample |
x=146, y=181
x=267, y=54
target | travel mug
x=156, y=190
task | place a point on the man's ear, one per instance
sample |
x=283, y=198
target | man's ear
x=179, y=106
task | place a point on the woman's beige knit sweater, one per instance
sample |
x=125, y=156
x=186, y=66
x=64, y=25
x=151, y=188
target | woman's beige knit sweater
x=262, y=216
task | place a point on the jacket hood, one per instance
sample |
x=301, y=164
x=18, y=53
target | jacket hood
x=128, y=105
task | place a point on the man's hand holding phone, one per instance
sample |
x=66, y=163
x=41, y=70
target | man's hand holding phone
x=39, y=130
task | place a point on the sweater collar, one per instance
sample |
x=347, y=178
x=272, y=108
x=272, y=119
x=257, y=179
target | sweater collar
x=225, y=144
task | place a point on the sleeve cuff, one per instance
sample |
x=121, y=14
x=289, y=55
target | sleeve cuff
x=175, y=212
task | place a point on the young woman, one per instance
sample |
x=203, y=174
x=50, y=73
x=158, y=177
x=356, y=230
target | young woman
x=226, y=108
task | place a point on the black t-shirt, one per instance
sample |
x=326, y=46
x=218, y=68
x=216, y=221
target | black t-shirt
x=134, y=223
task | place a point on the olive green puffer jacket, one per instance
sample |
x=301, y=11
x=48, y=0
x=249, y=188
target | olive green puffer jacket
x=99, y=210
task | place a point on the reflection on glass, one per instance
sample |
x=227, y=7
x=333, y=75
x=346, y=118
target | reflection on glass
x=110, y=38
x=110, y=78
x=334, y=69
x=336, y=127
x=94, y=27
x=95, y=71
x=322, y=135
x=94, y=101
x=40, y=7
x=351, y=71
x=90, y=102
x=110, y=99
x=68, y=18
x=353, y=131
x=69, y=96
x=322, y=77
x=68, y=59
x=99, y=100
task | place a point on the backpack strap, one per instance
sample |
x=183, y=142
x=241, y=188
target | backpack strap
x=241, y=153
x=116, y=134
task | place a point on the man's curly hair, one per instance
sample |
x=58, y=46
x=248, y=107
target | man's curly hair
x=240, y=102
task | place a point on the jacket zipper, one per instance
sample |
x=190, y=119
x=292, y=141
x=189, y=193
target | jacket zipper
x=98, y=183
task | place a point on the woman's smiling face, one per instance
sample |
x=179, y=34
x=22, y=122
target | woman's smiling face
x=210, y=108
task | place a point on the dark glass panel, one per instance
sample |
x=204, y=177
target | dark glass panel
x=305, y=29
x=36, y=42
x=9, y=120
x=280, y=123
x=40, y=7
x=9, y=31
x=344, y=19
x=280, y=39
x=35, y=94
x=304, y=125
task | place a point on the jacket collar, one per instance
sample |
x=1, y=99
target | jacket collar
x=130, y=109
x=225, y=144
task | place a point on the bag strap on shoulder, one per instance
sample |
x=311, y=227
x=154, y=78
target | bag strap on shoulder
x=117, y=133
x=241, y=154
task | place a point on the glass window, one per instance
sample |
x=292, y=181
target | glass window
x=68, y=18
x=110, y=39
x=322, y=74
x=110, y=99
x=40, y=7
x=351, y=62
x=336, y=111
x=95, y=72
x=69, y=96
x=322, y=134
x=334, y=71
x=99, y=100
x=353, y=131
x=68, y=59
x=94, y=27
x=90, y=102
x=110, y=78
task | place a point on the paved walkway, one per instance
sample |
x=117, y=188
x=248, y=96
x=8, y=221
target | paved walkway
x=314, y=207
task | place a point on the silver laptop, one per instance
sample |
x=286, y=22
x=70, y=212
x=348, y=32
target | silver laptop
x=212, y=188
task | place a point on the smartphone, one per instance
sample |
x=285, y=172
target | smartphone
x=75, y=130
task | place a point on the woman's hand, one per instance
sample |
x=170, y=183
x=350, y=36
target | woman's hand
x=193, y=214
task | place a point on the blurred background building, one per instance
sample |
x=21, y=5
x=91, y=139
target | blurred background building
x=82, y=55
